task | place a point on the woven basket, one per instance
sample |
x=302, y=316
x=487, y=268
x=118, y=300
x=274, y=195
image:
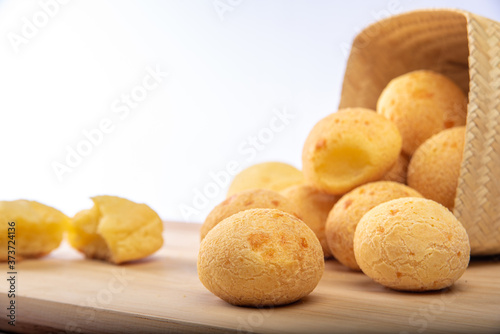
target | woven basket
x=466, y=48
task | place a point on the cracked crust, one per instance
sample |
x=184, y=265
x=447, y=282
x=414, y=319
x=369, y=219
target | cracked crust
x=421, y=104
x=313, y=207
x=260, y=257
x=412, y=244
x=249, y=199
x=435, y=167
x=346, y=213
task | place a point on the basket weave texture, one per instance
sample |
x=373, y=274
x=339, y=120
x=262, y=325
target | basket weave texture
x=466, y=48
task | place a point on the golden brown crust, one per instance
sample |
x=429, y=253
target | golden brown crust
x=398, y=171
x=38, y=230
x=412, y=244
x=347, y=212
x=116, y=230
x=435, y=167
x=274, y=176
x=313, y=207
x=349, y=148
x=260, y=257
x=249, y=199
x=421, y=104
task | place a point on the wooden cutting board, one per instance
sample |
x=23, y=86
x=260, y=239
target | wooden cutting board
x=63, y=293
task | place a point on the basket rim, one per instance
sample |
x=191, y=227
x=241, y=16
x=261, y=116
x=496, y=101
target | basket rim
x=468, y=15
x=382, y=22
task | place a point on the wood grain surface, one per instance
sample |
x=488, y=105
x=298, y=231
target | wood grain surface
x=64, y=293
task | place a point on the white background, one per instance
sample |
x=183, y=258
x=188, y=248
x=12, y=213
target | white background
x=231, y=65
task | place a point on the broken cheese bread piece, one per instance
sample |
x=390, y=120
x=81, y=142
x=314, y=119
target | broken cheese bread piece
x=116, y=230
x=37, y=230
